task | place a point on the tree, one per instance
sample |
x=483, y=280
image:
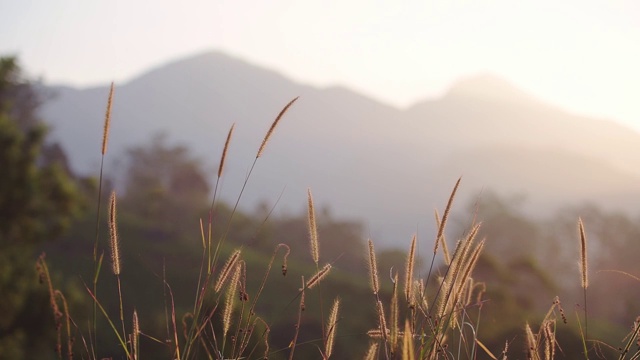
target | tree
x=166, y=189
x=37, y=202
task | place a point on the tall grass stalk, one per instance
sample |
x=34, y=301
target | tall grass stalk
x=98, y=261
x=301, y=308
x=56, y=295
x=114, y=243
x=223, y=158
x=431, y=323
x=441, y=228
x=266, y=139
x=213, y=260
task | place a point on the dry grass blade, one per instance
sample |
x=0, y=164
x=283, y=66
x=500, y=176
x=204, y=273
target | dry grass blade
x=224, y=151
x=301, y=308
x=485, y=349
x=273, y=127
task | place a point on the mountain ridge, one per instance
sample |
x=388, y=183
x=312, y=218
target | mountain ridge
x=365, y=159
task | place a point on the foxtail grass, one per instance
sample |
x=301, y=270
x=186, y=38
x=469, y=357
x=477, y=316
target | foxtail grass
x=135, y=336
x=373, y=269
x=114, y=244
x=107, y=122
x=229, y=266
x=427, y=329
x=372, y=352
x=56, y=296
x=273, y=127
x=394, y=314
x=442, y=223
x=431, y=322
x=230, y=301
x=98, y=261
x=223, y=159
x=584, y=281
x=633, y=337
x=225, y=150
x=408, y=353
x=409, y=267
x=313, y=229
x=532, y=343
x=266, y=139
x=321, y=274
x=332, y=326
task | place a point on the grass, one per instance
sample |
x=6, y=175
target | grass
x=436, y=316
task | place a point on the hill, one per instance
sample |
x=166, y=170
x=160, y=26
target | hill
x=386, y=166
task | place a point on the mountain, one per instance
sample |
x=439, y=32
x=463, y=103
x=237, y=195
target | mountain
x=363, y=159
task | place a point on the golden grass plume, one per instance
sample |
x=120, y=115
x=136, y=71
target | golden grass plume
x=229, y=303
x=273, y=127
x=373, y=269
x=408, y=280
x=445, y=216
x=224, y=151
x=321, y=274
x=332, y=326
x=226, y=270
x=113, y=232
x=135, y=335
x=107, y=121
x=313, y=229
x=584, y=266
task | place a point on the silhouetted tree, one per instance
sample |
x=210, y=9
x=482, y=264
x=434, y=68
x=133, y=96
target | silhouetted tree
x=38, y=199
x=166, y=188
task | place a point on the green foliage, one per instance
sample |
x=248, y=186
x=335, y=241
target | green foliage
x=165, y=280
x=165, y=187
x=38, y=200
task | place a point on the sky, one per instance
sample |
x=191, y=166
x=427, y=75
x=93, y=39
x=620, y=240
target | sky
x=583, y=55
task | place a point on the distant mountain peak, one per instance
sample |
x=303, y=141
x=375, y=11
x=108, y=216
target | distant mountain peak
x=489, y=87
x=213, y=64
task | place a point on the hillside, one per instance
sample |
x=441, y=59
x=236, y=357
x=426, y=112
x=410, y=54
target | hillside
x=363, y=159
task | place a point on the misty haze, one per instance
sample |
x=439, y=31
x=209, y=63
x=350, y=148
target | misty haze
x=387, y=167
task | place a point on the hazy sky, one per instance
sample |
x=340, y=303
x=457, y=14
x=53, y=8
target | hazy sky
x=582, y=55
